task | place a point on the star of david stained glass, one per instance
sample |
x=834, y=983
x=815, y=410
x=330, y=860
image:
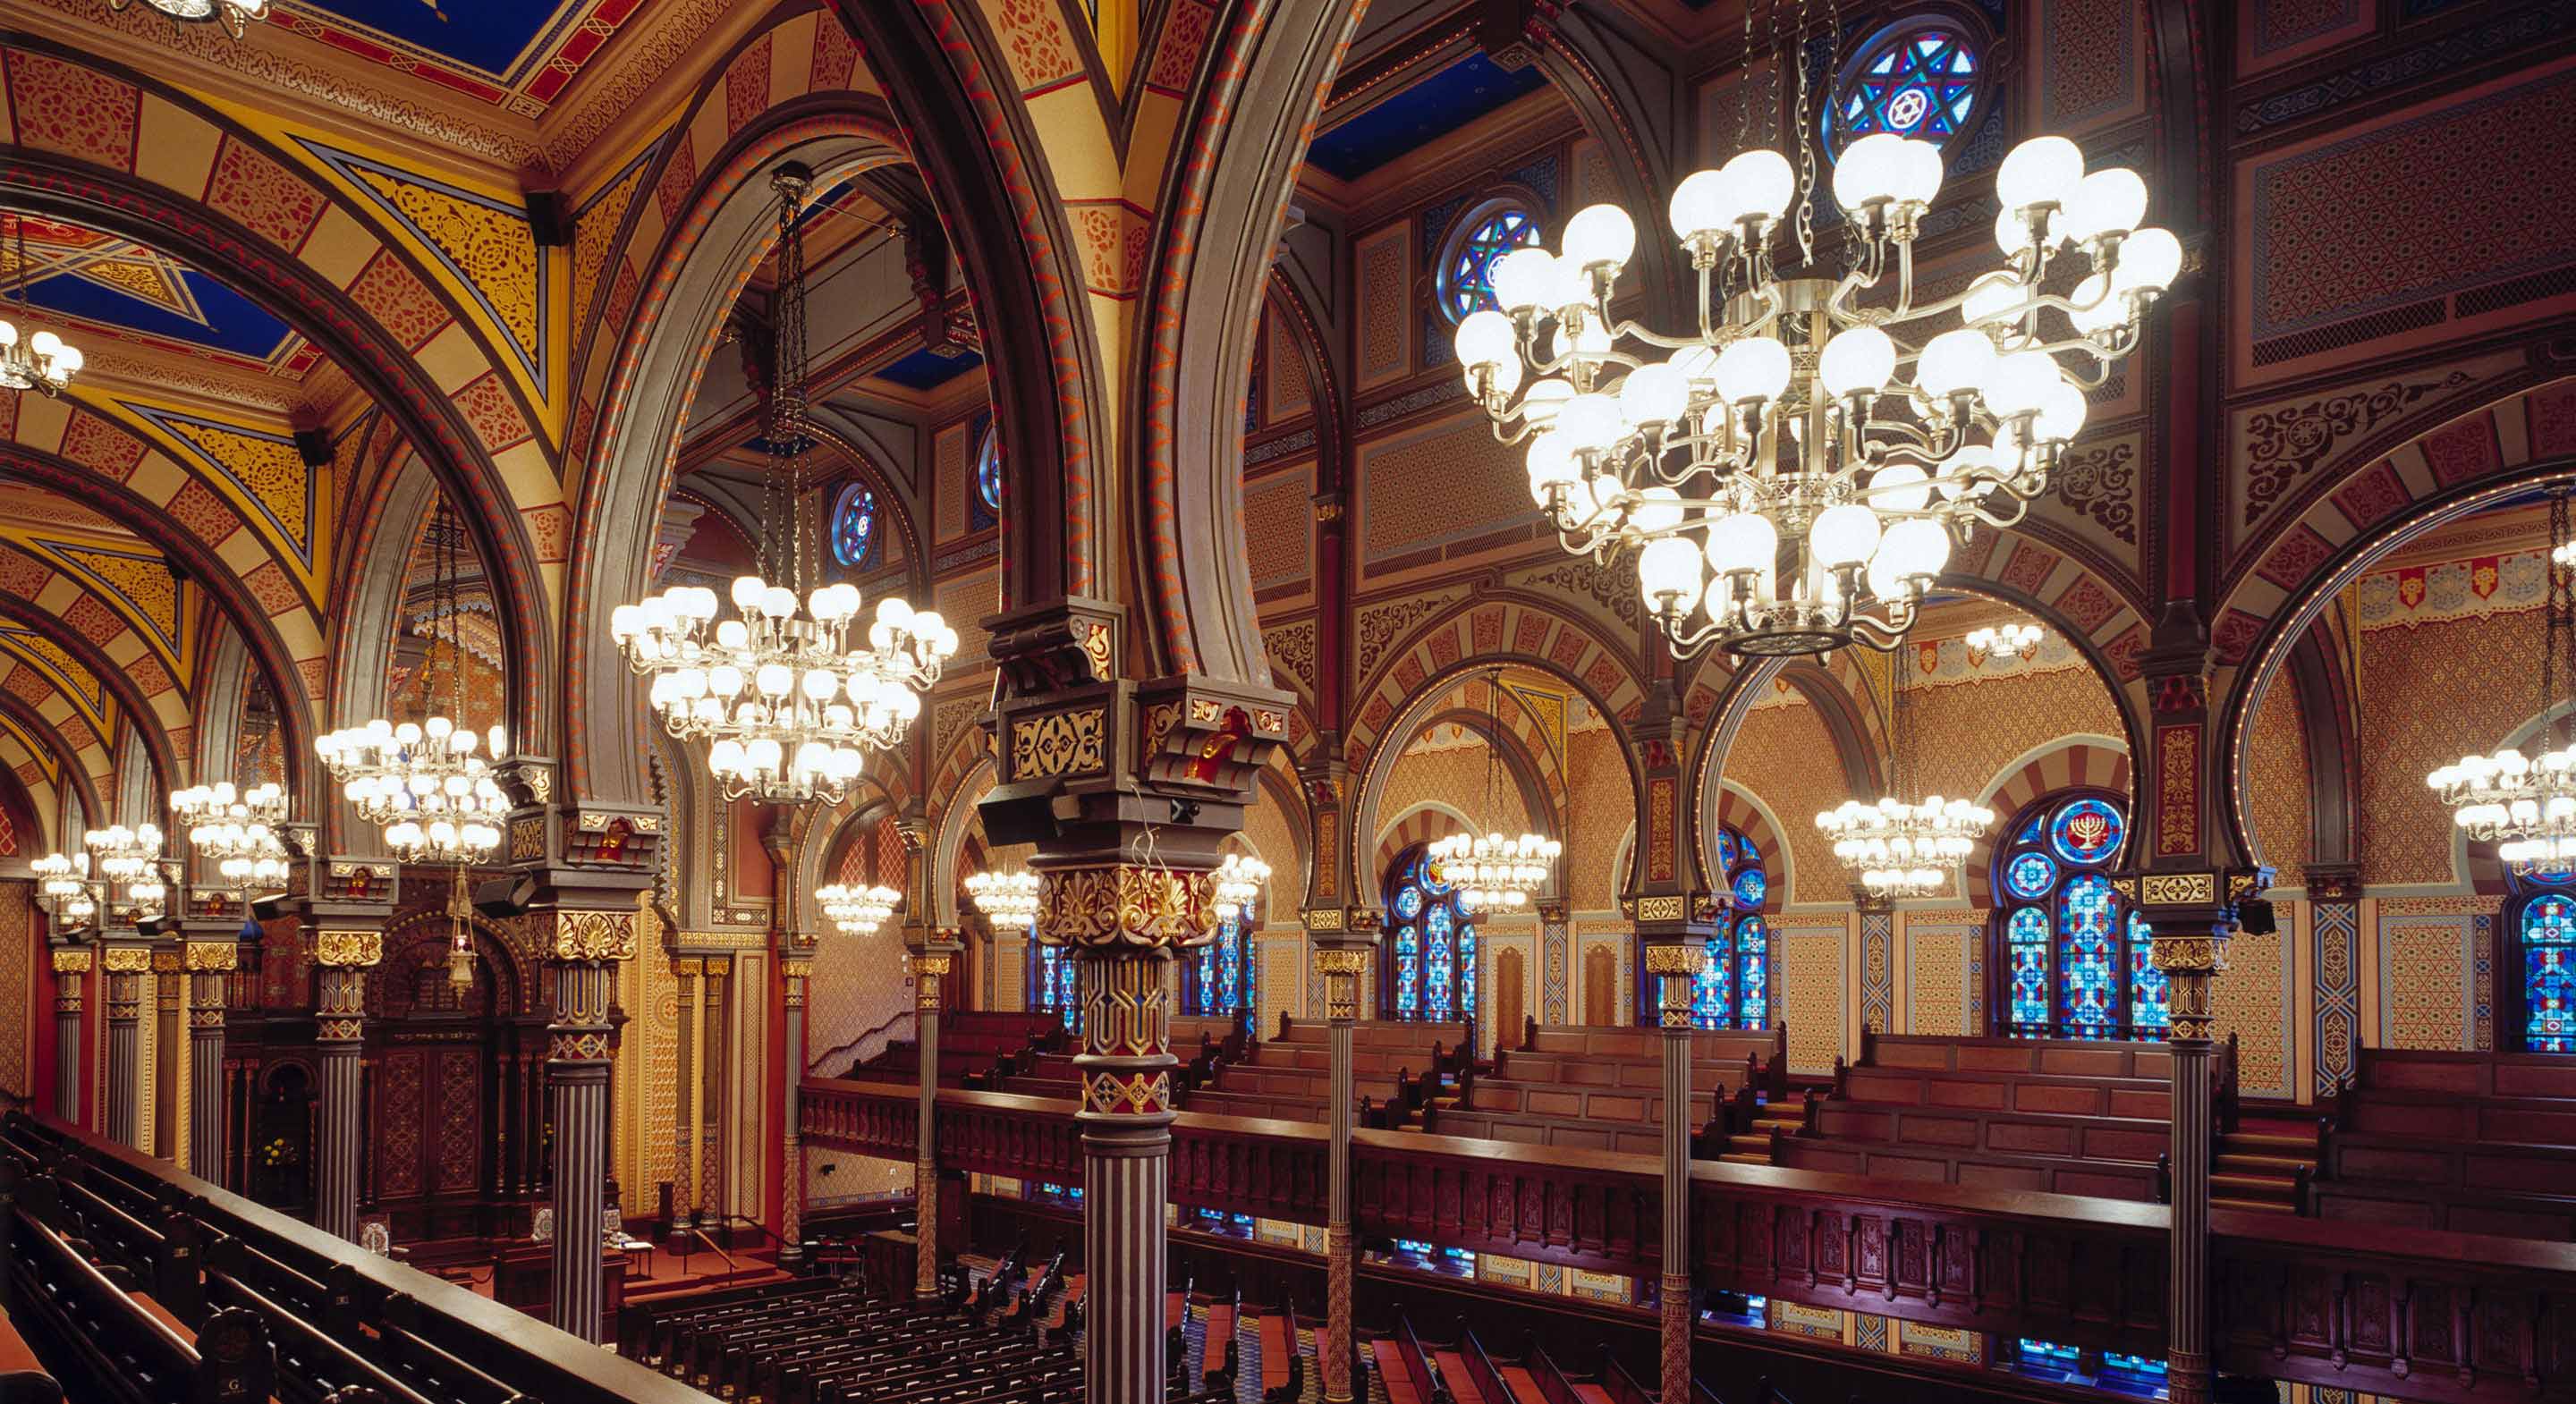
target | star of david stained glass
x=1918, y=80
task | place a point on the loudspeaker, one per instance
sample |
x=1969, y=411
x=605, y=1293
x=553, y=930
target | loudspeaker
x=2254, y=917
x=504, y=897
x=270, y=908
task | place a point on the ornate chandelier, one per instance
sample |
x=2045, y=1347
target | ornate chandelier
x=235, y=832
x=44, y=361
x=856, y=910
x=131, y=859
x=436, y=800
x=2004, y=641
x=1491, y=872
x=1901, y=848
x=790, y=702
x=63, y=883
x=1239, y=880
x=1787, y=491
x=1008, y=898
x=2527, y=807
x=234, y=15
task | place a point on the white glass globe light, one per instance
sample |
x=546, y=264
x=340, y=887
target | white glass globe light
x=2150, y=260
x=1705, y=204
x=1859, y=360
x=1844, y=535
x=2021, y=380
x=1743, y=541
x=1765, y=180
x=1872, y=170
x=2061, y=413
x=1589, y=421
x=2044, y=170
x=1755, y=368
x=1655, y=393
x=1524, y=278
x=1657, y=509
x=2109, y=201
x=1955, y=362
x=1598, y=235
x=1669, y=567
x=1900, y=487
x=1486, y=339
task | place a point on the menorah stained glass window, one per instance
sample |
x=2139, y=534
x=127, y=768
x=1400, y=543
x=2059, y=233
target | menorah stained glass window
x=2075, y=959
x=1733, y=988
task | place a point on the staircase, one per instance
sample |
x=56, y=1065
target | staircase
x=1754, y=1147
x=2262, y=1161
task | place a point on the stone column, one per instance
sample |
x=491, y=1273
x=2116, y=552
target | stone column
x=1673, y=964
x=2188, y=950
x=1340, y=957
x=169, y=1063
x=795, y=966
x=210, y=965
x=693, y=1074
x=586, y=946
x=126, y=966
x=929, y=966
x=71, y=972
x=1124, y=922
x=339, y=1035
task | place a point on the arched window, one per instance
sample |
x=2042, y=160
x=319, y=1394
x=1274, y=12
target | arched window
x=2543, y=930
x=1225, y=977
x=1733, y=990
x=854, y=525
x=1920, y=78
x=2076, y=959
x=988, y=470
x=1430, y=970
x=1467, y=266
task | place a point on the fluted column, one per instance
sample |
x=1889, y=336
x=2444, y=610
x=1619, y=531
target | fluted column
x=1340, y=957
x=339, y=1036
x=929, y=967
x=169, y=1061
x=795, y=966
x=71, y=973
x=693, y=1083
x=1124, y=922
x=2189, y=950
x=586, y=946
x=210, y=965
x=1673, y=964
x=126, y=966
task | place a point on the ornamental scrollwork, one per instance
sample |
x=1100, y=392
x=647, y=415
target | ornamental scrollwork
x=1671, y=959
x=125, y=960
x=1127, y=907
x=213, y=956
x=348, y=949
x=585, y=935
x=71, y=962
x=2287, y=443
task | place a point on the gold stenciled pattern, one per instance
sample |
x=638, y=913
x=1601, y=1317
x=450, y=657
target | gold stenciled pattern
x=348, y=949
x=1060, y=743
x=213, y=955
x=270, y=471
x=145, y=585
x=593, y=935
x=494, y=250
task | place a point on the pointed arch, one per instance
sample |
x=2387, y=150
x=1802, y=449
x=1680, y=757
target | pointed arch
x=2067, y=763
x=135, y=709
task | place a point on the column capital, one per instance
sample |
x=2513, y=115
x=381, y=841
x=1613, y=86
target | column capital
x=1343, y=928
x=70, y=960
x=588, y=935
x=125, y=960
x=1676, y=916
x=1126, y=906
x=343, y=949
x=213, y=956
x=2332, y=882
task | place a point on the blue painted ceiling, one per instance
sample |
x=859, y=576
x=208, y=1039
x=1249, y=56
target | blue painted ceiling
x=1420, y=114
x=925, y=369
x=487, y=35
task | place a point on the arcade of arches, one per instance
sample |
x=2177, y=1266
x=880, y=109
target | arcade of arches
x=420, y=336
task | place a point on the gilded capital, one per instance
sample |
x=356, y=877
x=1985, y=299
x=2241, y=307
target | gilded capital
x=1673, y=959
x=213, y=956
x=592, y=935
x=125, y=960
x=1127, y=906
x=67, y=962
x=348, y=950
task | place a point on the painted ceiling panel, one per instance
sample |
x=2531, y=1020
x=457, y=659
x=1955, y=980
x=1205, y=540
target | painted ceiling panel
x=1420, y=115
x=101, y=282
x=519, y=54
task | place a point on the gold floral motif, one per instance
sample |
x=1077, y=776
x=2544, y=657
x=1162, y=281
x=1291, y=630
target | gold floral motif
x=348, y=949
x=1669, y=959
x=527, y=839
x=71, y=962
x=1340, y=962
x=1127, y=906
x=2177, y=889
x=1324, y=919
x=1096, y=648
x=125, y=960
x=166, y=963
x=933, y=965
x=2186, y=953
x=795, y=969
x=593, y=935
x=1060, y=743
x=213, y=956
x=1666, y=908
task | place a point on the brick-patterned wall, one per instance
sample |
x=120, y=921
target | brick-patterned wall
x=2429, y=694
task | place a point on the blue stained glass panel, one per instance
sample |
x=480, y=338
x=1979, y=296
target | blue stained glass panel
x=2148, y=1008
x=1408, y=901
x=2030, y=832
x=1725, y=851
x=988, y=470
x=1439, y=963
x=1751, y=885
x=1711, y=1003
x=1921, y=83
x=2027, y=937
x=1408, y=968
x=1753, y=973
x=1467, y=281
x=2549, y=974
x=854, y=525
x=2087, y=833
x=2086, y=973
x=1466, y=969
x=2030, y=875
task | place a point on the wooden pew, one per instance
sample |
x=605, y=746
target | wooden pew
x=2469, y=1142
x=113, y=1350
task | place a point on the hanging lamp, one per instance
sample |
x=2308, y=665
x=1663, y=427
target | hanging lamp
x=1901, y=847
x=1491, y=872
x=2526, y=807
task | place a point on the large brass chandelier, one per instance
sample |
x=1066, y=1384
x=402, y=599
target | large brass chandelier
x=1008, y=898
x=1903, y=847
x=128, y=858
x=422, y=782
x=63, y=883
x=856, y=909
x=1492, y=872
x=236, y=833
x=790, y=702
x=1790, y=474
x=2526, y=807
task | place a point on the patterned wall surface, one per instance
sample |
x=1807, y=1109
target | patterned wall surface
x=1938, y=989
x=1878, y=971
x=1278, y=532
x=2336, y=927
x=2429, y=696
x=19, y=952
x=2276, y=783
x=1781, y=757
x=2431, y=954
x=1437, y=486
x=2251, y=999
x=1604, y=807
x=857, y=985
x=1809, y=990
x=1985, y=726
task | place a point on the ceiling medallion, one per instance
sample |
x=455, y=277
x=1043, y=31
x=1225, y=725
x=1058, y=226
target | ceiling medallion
x=1786, y=486
x=234, y=15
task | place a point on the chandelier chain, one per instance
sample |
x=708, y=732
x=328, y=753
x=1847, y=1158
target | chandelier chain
x=1806, y=141
x=2560, y=648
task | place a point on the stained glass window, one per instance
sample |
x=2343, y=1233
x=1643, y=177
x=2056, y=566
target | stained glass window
x=1054, y=973
x=1920, y=79
x=1467, y=273
x=988, y=470
x=1733, y=989
x=2545, y=929
x=854, y=525
x=1432, y=975
x=2076, y=961
x=1223, y=980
